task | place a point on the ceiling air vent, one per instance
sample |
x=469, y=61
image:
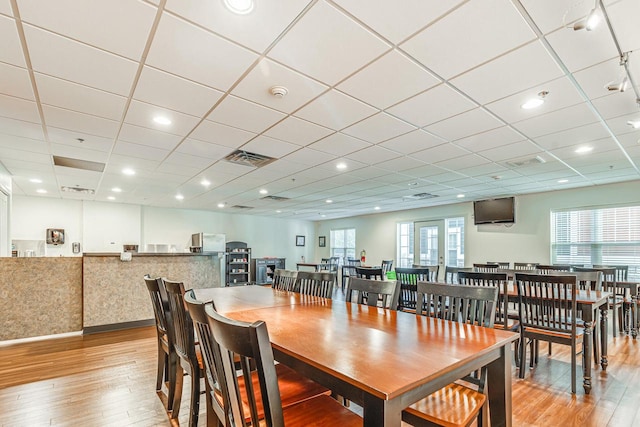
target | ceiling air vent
x=276, y=198
x=245, y=158
x=78, y=190
x=421, y=196
x=242, y=207
x=526, y=162
x=68, y=162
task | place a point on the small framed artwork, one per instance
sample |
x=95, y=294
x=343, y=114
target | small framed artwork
x=299, y=240
x=55, y=236
x=322, y=241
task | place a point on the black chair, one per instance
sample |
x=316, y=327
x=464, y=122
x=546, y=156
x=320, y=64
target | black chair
x=618, y=297
x=318, y=284
x=249, y=342
x=409, y=278
x=349, y=270
x=500, y=281
x=167, y=358
x=485, y=268
x=386, y=265
x=284, y=280
x=372, y=291
x=550, y=269
x=548, y=312
x=622, y=271
x=501, y=264
x=525, y=266
x=370, y=273
x=451, y=273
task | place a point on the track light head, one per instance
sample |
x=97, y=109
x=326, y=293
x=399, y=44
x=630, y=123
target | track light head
x=618, y=86
x=589, y=22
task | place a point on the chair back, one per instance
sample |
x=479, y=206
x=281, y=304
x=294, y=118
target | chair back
x=434, y=271
x=160, y=305
x=550, y=269
x=589, y=280
x=609, y=278
x=622, y=271
x=349, y=269
x=318, y=284
x=182, y=323
x=501, y=264
x=525, y=266
x=475, y=305
x=498, y=280
x=249, y=343
x=284, y=280
x=370, y=273
x=370, y=291
x=451, y=273
x=329, y=264
x=547, y=302
x=386, y=265
x=485, y=268
x=409, y=278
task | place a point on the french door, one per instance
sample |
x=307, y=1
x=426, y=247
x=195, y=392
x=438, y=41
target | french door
x=429, y=244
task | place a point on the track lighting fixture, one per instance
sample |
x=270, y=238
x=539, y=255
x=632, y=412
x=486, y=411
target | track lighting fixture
x=621, y=84
x=590, y=21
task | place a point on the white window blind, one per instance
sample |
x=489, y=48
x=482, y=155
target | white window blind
x=607, y=236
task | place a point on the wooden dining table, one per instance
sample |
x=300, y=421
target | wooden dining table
x=633, y=291
x=382, y=360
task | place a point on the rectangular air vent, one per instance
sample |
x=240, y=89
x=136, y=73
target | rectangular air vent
x=245, y=158
x=242, y=207
x=276, y=198
x=78, y=190
x=526, y=162
x=421, y=196
x=68, y=162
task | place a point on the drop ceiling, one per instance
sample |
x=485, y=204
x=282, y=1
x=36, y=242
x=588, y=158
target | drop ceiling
x=412, y=97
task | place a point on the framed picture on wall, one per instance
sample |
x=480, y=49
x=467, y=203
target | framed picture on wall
x=299, y=240
x=322, y=241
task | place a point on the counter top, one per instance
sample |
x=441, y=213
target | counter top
x=149, y=254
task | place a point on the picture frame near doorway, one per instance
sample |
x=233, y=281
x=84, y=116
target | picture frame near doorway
x=322, y=241
x=299, y=240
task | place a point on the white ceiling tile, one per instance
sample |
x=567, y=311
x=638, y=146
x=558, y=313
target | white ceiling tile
x=512, y=151
x=594, y=80
x=373, y=155
x=150, y=137
x=83, y=99
x=397, y=23
x=220, y=134
x=61, y=57
x=83, y=123
x=18, y=108
x=270, y=147
x=307, y=156
x=18, y=143
x=439, y=153
x=378, y=128
x=400, y=164
x=79, y=152
x=143, y=114
x=469, y=36
x=494, y=138
x=203, y=149
x=577, y=135
x=15, y=81
x=432, y=106
x=11, y=51
x=401, y=76
x=624, y=18
x=335, y=110
x=165, y=90
x=5, y=7
x=141, y=151
x=187, y=160
x=619, y=125
x=616, y=104
x=21, y=128
x=256, y=86
x=582, y=49
x=523, y=68
x=298, y=131
x=339, y=144
x=245, y=114
x=118, y=161
x=464, y=125
x=119, y=26
x=191, y=52
x=551, y=15
x=79, y=139
x=40, y=156
x=412, y=142
x=461, y=163
x=556, y=121
x=329, y=45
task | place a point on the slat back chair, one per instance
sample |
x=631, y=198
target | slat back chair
x=167, y=362
x=622, y=271
x=249, y=343
x=386, y=265
x=349, y=270
x=550, y=269
x=616, y=301
x=501, y=264
x=434, y=271
x=370, y=273
x=485, y=268
x=318, y=284
x=498, y=280
x=185, y=347
x=409, y=278
x=371, y=291
x=284, y=280
x=589, y=280
x=525, y=266
x=464, y=304
x=548, y=312
x=451, y=273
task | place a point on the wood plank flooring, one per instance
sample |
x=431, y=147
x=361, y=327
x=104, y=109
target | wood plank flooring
x=108, y=379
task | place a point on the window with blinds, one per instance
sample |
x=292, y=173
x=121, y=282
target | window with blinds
x=609, y=236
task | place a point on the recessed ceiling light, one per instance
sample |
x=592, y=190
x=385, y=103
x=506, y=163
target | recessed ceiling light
x=634, y=124
x=323, y=215
x=263, y=191
x=377, y=208
x=162, y=120
x=412, y=184
x=278, y=211
x=111, y=198
x=221, y=205
x=205, y=182
x=563, y=181
x=460, y=196
x=584, y=149
x=240, y=7
x=36, y=180
x=41, y=191
x=179, y=197
x=128, y=171
x=329, y=201
x=341, y=166
x=116, y=190
x=532, y=103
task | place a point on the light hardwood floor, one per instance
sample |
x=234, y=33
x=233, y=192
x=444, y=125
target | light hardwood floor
x=108, y=379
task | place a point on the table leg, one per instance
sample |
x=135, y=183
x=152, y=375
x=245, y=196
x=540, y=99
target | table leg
x=634, y=313
x=586, y=354
x=604, y=319
x=380, y=413
x=499, y=389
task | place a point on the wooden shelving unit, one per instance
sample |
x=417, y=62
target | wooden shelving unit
x=238, y=265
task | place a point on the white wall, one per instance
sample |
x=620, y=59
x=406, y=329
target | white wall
x=107, y=226
x=528, y=240
x=5, y=209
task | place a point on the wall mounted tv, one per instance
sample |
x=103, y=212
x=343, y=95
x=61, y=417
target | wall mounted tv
x=494, y=211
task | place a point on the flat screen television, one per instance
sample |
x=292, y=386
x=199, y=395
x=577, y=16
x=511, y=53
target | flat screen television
x=494, y=211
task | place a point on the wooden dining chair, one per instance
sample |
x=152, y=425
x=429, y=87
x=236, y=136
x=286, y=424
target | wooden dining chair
x=284, y=280
x=622, y=271
x=318, y=284
x=485, y=268
x=294, y=388
x=249, y=342
x=349, y=270
x=550, y=269
x=167, y=358
x=408, y=279
x=501, y=264
x=188, y=356
x=371, y=292
x=370, y=273
x=618, y=295
x=525, y=266
x=548, y=312
x=387, y=265
x=505, y=316
x=455, y=404
x=451, y=273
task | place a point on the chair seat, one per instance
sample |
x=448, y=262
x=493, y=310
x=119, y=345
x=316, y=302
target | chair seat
x=320, y=411
x=566, y=335
x=451, y=406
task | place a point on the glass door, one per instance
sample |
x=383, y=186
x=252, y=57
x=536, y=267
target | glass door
x=429, y=243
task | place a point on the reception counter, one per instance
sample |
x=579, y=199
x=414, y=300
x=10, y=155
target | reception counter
x=97, y=291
